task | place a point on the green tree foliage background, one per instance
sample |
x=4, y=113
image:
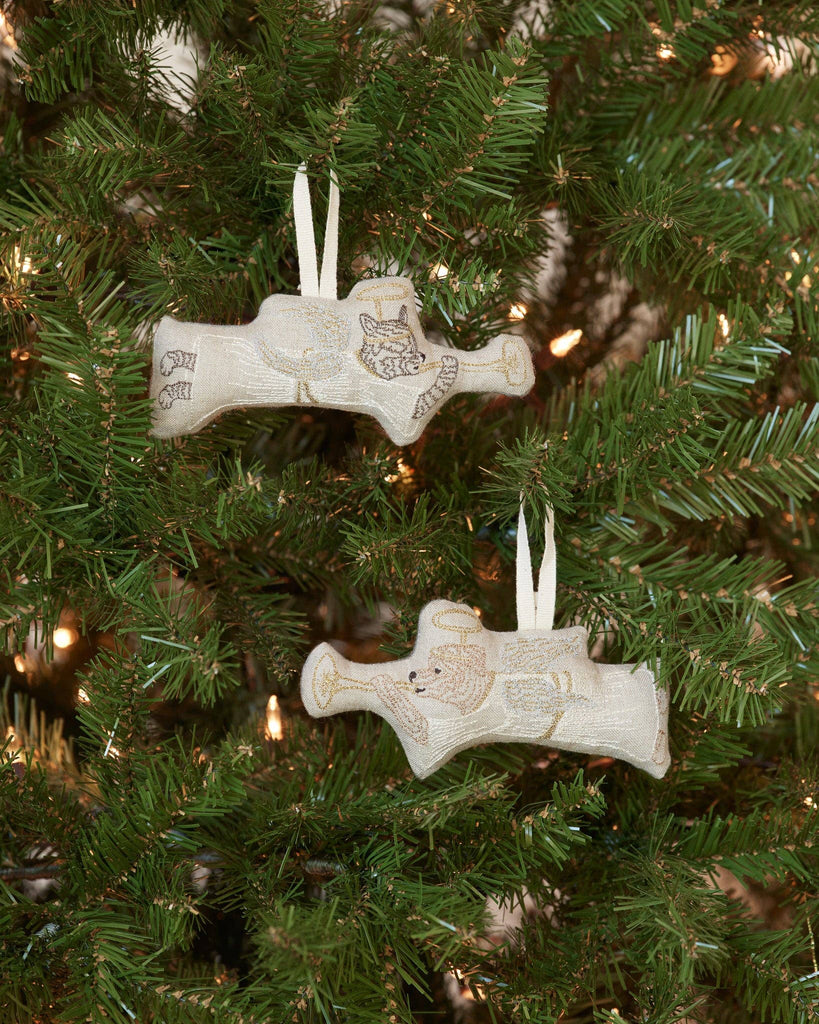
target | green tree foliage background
x=160, y=859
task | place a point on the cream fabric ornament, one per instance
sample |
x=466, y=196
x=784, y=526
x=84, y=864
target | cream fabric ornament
x=366, y=353
x=464, y=684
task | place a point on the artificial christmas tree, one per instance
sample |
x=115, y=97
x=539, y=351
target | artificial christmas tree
x=629, y=187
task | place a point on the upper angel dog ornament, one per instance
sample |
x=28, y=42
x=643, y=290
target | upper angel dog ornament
x=366, y=353
x=464, y=684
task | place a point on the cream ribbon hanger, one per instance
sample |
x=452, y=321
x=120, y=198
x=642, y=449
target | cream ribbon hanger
x=325, y=288
x=536, y=609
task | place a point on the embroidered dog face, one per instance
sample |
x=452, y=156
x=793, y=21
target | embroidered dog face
x=390, y=349
x=455, y=675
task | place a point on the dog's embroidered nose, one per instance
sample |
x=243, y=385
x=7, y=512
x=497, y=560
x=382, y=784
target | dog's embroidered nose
x=420, y=689
x=412, y=675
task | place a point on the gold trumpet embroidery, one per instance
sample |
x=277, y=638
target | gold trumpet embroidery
x=511, y=362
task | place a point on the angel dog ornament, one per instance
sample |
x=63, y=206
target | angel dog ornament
x=463, y=684
x=366, y=353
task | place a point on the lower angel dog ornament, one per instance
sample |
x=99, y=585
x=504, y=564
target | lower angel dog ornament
x=366, y=353
x=464, y=684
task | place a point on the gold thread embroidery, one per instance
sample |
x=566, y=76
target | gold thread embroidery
x=387, y=291
x=329, y=334
x=328, y=682
x=511, y=363
x=456, y=674
x=534, y=655
x=469, y=622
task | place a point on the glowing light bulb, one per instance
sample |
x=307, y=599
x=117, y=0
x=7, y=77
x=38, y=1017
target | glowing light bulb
x=273, y=729
x=404, y=473
x=21, y=263
x=439, y=270
x=795, y=256
x=518, y=311
x=724, y=325
x=565, y=343
x=7, y=32
x=65, y=637
x=19, y=662
x=82, y=696
x=75, y=378
x=665, y=51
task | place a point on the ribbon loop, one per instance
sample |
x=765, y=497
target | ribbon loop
x=306, y=239
x=329, y=259
x=536, y=610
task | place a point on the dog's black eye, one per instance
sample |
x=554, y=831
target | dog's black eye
x=437, y=671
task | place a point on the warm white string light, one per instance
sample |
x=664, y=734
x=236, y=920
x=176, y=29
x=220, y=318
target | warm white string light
x=7, y=32
x=563, y=344
x=404, y=473
x=518, y=311
x=20, y=264
x=665, y=51
x=273, y=726
x=65, y=637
